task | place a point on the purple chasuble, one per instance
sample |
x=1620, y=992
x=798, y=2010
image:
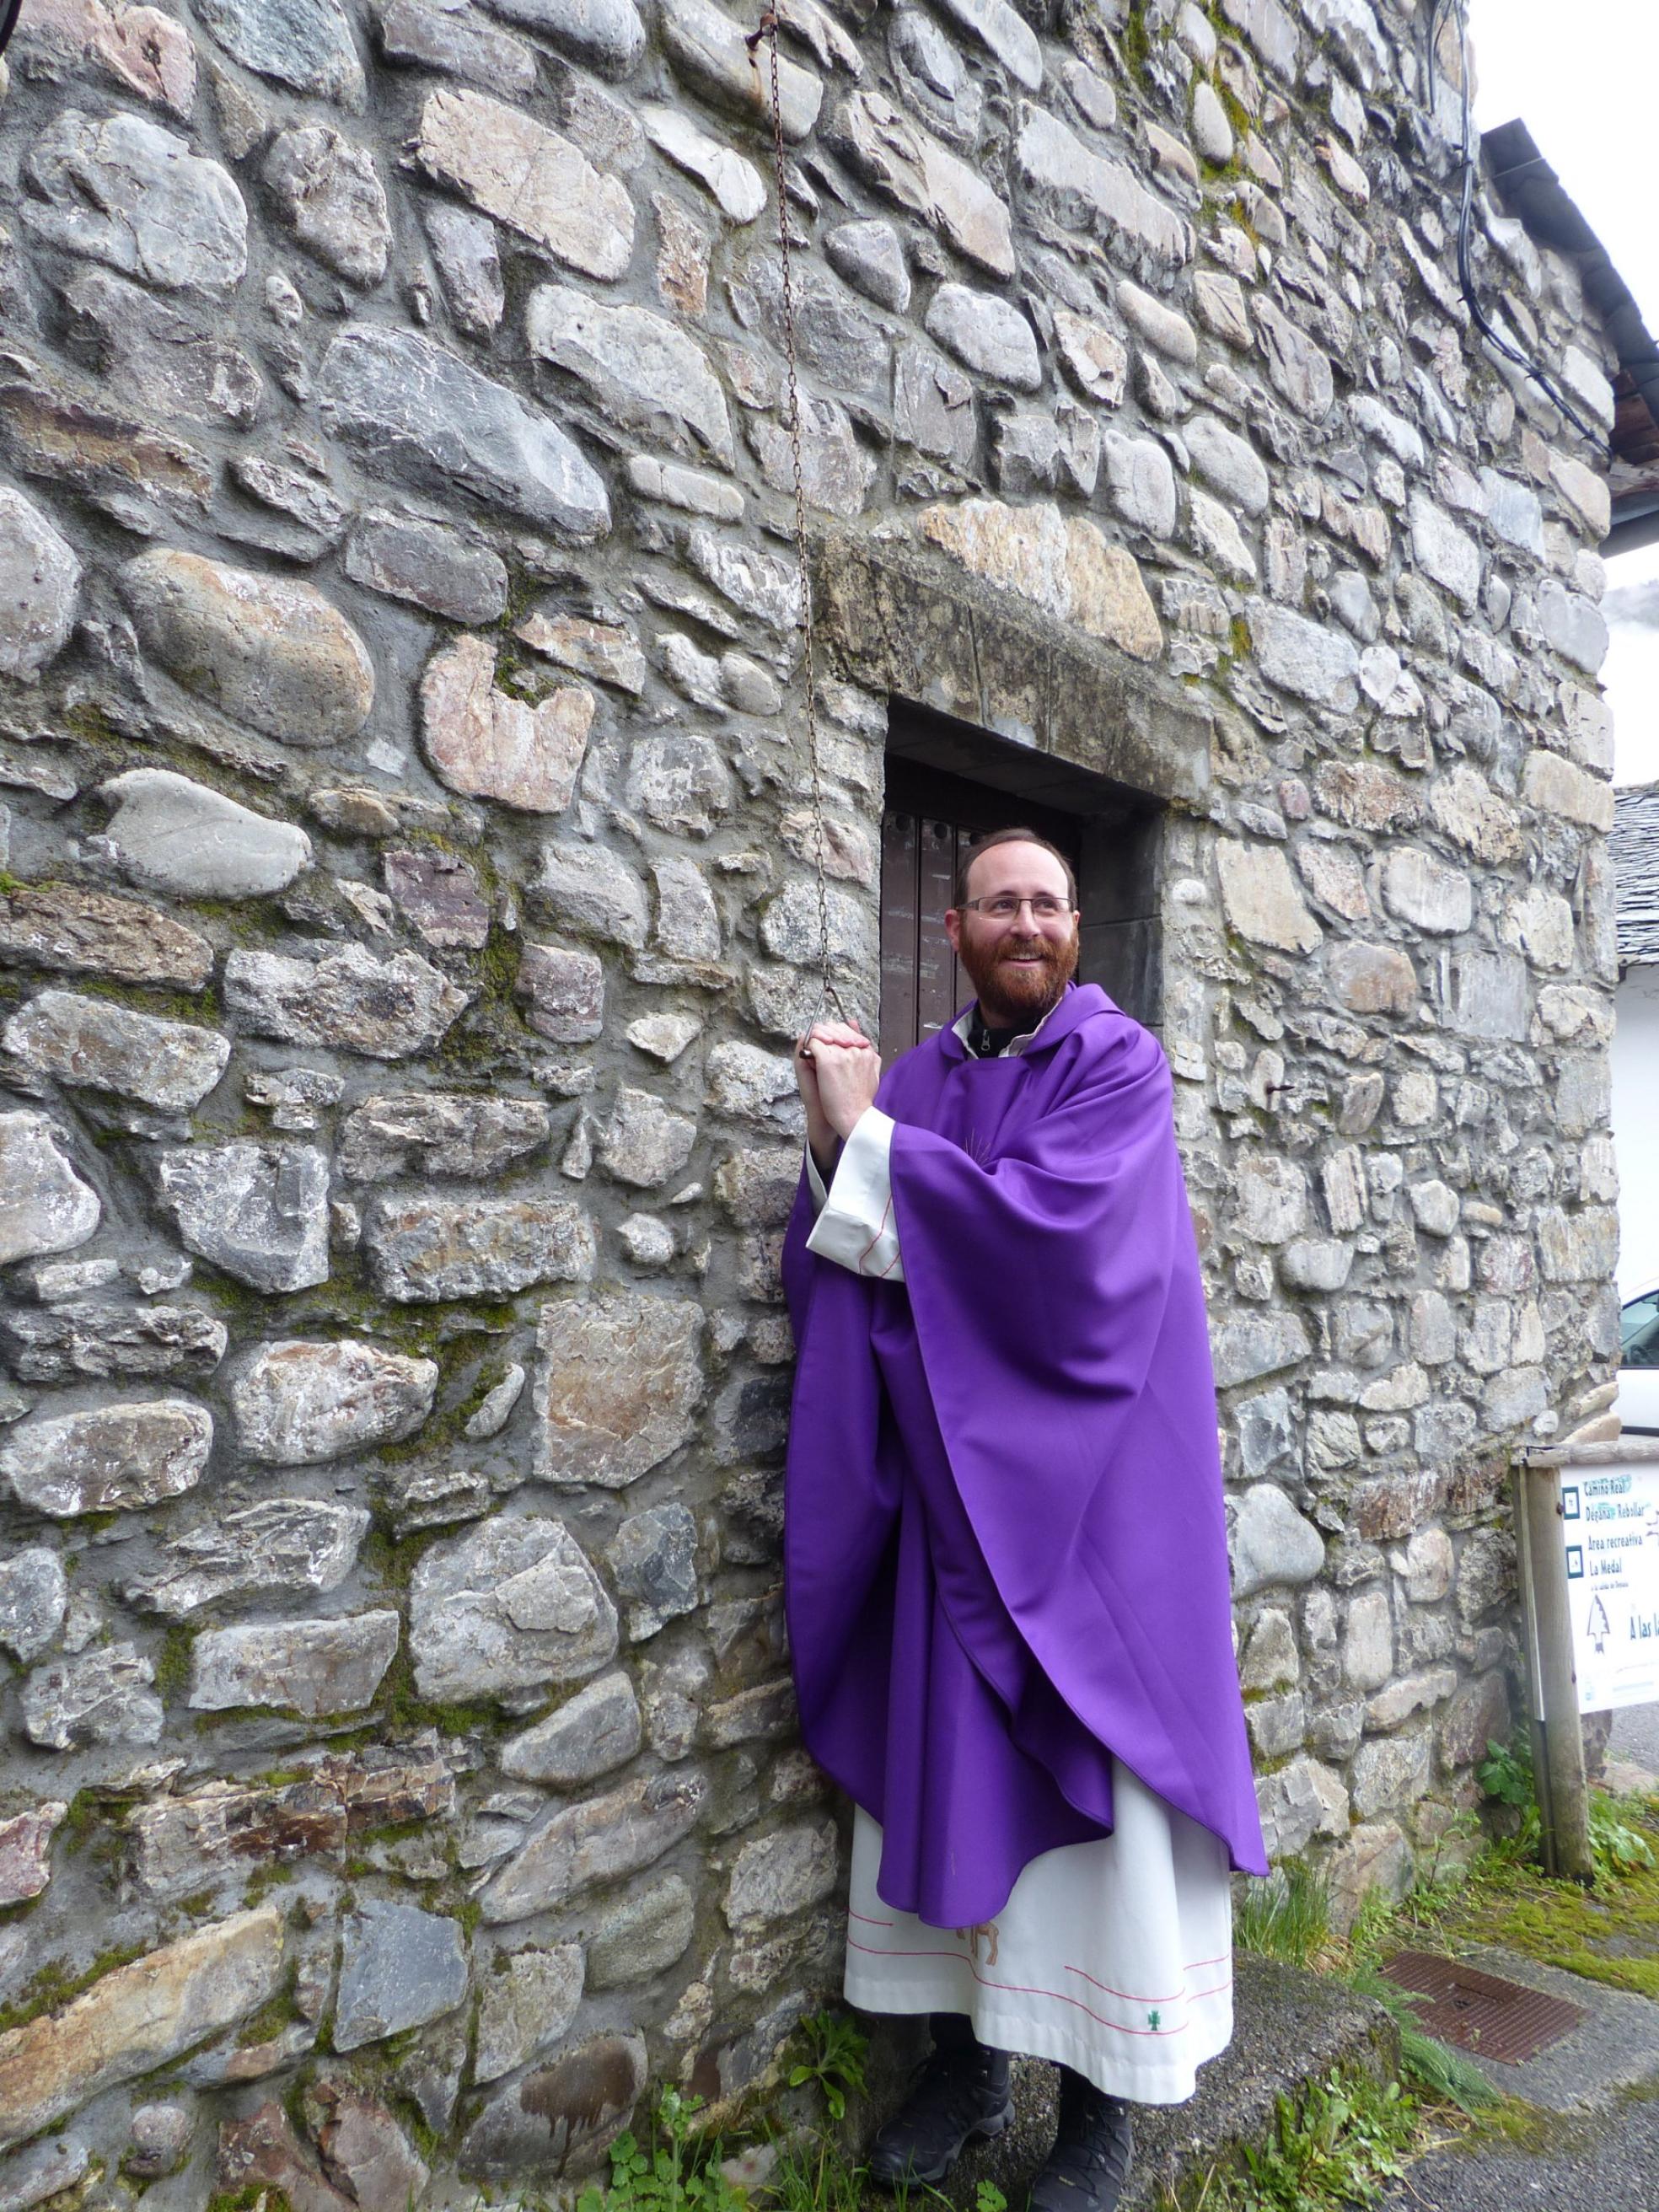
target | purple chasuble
x=1004, y=1550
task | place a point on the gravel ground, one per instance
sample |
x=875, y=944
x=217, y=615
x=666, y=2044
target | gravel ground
x=1601, y=2162
x=1636, y=1737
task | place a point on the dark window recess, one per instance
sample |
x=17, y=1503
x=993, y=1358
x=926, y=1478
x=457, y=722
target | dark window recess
x=947, y=785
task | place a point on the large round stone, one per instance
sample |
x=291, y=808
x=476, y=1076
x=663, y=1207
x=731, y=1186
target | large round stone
x=122, y=191
x=274, y=654
x=1270, y=1542
x=411, y=409
x=183, y=836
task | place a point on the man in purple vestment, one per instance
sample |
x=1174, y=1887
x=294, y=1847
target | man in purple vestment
x=1005, y=1566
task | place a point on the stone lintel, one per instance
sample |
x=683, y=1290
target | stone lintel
x=893, y=617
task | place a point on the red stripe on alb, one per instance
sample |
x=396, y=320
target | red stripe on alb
x=877, y=1238
x=1128, y=1996
x=866, y=1918
x=1018, y=1990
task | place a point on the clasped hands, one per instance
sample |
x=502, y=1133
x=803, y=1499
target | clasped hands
x=837, y=1070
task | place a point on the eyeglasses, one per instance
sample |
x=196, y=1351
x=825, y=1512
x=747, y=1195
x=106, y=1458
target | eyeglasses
x=1003, y=906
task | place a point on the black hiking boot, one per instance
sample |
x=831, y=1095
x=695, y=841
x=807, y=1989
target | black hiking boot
x=961, y=2096
x=1090, y=2161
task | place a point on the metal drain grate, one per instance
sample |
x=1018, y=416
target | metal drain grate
x=1482, y=2013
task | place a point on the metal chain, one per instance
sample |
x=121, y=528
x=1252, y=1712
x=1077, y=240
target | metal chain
x=828, y=994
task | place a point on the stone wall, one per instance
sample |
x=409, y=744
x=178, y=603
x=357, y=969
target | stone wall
x=409, y=899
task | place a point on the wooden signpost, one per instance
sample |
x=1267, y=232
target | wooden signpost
x=1587, y=1527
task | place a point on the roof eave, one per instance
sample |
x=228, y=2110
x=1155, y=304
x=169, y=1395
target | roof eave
x=1530, y=188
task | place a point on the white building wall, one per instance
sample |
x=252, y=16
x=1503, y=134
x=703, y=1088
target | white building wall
x=1630, y=673
x=1635, y=1126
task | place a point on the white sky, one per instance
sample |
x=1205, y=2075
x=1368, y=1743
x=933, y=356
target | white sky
x=1583, y=78
x=1581, y=73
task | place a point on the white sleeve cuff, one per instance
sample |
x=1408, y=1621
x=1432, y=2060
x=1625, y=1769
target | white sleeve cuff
x=856, y=1226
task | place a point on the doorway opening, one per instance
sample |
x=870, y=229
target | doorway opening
x=948, y=785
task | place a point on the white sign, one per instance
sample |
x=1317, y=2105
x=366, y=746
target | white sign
x=1610, y=1522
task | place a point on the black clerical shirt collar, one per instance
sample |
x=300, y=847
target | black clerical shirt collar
x=984, y=1042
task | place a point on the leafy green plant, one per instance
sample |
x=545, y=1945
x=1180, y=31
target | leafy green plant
x=1505, y=1774
x=1338, y=2146
x=665, y=2175
x=1345, y=2142
x=1287, y=1916
x=837, y=2049
x=988, y=2198
x=1618, y=1849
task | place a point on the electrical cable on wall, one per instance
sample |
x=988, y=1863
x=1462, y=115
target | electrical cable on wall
x=1477, y=315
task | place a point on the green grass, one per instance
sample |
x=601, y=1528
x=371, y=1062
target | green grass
x=1287, y=1916
x=813, y=2174
x=1434, y=2068
x=837, y=2049
x=1608, y=1932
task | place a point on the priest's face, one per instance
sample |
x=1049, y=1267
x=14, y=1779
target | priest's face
x=1020, y=961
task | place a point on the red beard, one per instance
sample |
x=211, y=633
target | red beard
x=1007, y=993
